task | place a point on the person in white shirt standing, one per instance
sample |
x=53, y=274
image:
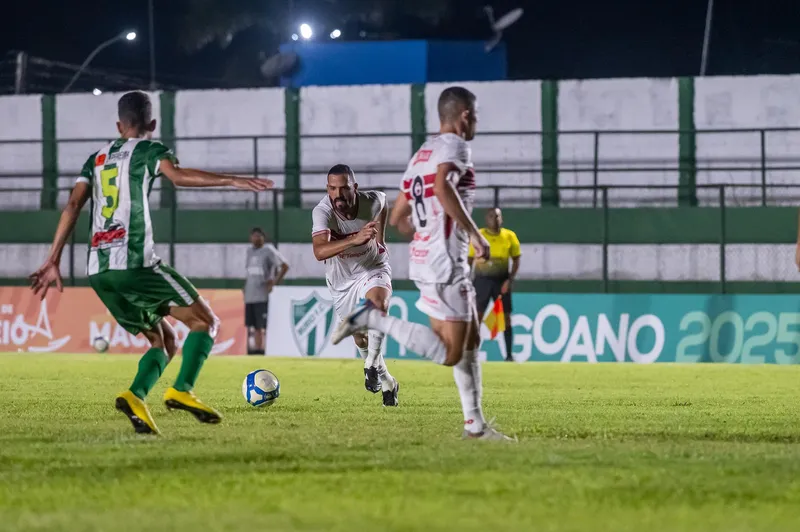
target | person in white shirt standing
x=348, y=235
x=434, y=206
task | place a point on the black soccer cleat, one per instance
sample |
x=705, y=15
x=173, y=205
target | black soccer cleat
x=390, y=397
x=372, y=382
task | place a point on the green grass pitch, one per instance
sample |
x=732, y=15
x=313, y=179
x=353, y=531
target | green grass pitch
x=602, y=447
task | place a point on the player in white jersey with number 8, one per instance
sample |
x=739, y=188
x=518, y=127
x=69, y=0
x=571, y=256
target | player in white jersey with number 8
x=348, y=235
x=434, y=205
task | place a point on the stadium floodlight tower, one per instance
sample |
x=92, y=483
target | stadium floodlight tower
x=124, y=36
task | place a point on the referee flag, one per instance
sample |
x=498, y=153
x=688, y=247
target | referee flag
x=496, y=319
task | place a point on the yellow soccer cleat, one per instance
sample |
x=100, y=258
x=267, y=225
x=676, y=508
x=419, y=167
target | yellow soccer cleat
x=137, y=412
x=175, y=400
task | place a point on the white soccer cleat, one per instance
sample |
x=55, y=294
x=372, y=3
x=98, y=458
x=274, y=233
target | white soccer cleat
x=355, y=322
x=488, y=433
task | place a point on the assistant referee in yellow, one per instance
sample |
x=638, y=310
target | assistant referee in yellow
x=494, y=277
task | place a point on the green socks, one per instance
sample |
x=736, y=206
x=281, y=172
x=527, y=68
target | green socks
x=151, y=366
x=196, y=349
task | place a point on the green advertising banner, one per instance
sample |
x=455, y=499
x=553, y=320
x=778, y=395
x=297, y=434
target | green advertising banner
x=639, y=328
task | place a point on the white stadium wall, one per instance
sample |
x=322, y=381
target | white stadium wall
x=747, y=102
x=618, y=104
x=355, y=113
x=231, y=113
x=327, y=115
x=21, y=122
x=745, y=262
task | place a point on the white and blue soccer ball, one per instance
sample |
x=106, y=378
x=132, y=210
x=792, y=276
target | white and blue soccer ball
x=100, y=344
x=261, y=388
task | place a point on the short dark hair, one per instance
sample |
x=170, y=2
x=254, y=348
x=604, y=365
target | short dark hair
x=342, y=169
x=135, y=109
x=258, y=231
x=453, y=101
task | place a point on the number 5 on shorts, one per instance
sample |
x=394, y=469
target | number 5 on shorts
x=108, y=181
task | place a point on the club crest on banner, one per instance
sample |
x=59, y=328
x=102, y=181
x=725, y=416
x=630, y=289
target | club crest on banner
x=312, y=323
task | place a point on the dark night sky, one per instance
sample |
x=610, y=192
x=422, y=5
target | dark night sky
x=555, y=39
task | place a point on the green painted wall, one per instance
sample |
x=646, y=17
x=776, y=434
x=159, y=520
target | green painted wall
x=681, y=225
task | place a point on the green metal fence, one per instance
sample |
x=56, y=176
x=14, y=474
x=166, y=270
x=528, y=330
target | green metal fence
x=598, y=163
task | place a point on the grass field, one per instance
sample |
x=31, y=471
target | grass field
x=602, y=447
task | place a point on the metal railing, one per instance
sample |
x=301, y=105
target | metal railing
x=589, y=157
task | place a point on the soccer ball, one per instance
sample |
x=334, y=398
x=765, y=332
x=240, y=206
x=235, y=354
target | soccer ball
x=261, y=388
x=100, y=344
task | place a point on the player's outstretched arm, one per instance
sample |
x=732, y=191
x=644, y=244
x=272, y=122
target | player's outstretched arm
x=401, y=216
x=190, y=177
x=324, y=248
x=50, y=272
x=453, y=206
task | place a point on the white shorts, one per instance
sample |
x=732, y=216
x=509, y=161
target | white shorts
x=345, y=301
x=447, y=302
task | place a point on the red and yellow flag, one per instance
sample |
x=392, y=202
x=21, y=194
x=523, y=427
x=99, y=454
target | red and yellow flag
x=495, y=320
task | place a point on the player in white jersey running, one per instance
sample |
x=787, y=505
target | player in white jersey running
x=136, y=287
x=347, y=233
x=434, y=205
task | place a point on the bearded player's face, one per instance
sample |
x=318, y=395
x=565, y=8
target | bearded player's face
x=342, y=192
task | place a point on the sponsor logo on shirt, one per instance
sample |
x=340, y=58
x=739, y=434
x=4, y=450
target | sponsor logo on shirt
x=353, y=255
x=118, y=155
x=112, y=237
x=423, y=156
x=100, y=160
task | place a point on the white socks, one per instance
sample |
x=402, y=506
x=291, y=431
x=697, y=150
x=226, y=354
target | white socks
x=373, y=358
x=376, y=359
x=374, y=344
x=413, y=336
x=364, y=355
x=422, y=340
x=467, y=375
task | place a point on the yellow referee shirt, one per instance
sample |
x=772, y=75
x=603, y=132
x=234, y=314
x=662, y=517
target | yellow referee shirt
x=503, y=246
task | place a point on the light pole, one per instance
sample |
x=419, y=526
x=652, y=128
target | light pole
x=125, y=36
x=152, y=37
x=706, y=37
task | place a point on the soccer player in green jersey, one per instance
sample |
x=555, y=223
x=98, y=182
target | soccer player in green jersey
x=133, y=283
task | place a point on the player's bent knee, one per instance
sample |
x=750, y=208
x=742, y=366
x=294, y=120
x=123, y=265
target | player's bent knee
x=198, y=317
x=381, y=304
x=379, y=297
x=453, y=357
x=154, y=336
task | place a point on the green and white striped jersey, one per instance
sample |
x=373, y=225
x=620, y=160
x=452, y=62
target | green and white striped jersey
x=121, y=176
